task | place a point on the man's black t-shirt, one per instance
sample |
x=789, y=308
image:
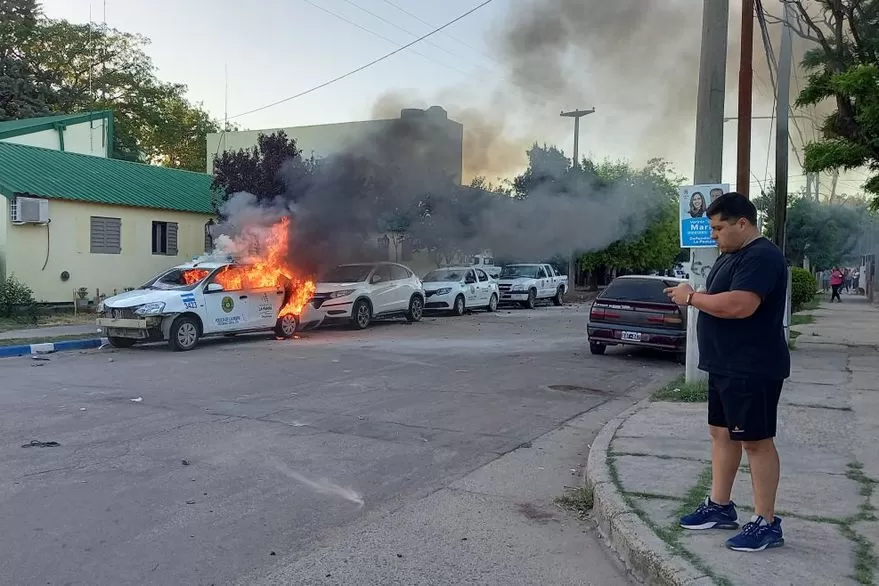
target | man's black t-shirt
x=753, y=347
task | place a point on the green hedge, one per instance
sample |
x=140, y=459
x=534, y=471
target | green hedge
x=803, y=288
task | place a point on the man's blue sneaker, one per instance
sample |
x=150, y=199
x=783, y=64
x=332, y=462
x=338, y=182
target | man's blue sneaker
x=758, y=535
x=710, y=515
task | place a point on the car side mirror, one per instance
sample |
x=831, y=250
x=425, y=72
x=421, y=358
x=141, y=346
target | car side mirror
x=375, y=279
x=214, y=288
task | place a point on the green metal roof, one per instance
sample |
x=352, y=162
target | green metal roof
x=11, y=128
x=38, y=172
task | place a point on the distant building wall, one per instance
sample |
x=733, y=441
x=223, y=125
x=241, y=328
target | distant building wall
x=442, y=151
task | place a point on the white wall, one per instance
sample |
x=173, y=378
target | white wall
x=86, y=138
x=4, y=223
x=319, y=140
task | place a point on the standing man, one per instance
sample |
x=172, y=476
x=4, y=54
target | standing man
x=743, y=349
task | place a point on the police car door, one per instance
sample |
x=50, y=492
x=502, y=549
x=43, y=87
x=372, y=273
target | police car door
x=225, y=309
x=264, y=306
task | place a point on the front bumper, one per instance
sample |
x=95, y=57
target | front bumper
x=331, y=308
x=513, y=296
x=148, y=328
x=439, y=302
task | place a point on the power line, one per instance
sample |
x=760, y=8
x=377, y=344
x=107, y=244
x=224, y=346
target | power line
x=397, y=26
x=454, y=38
x=381, y=36
x=370, y=64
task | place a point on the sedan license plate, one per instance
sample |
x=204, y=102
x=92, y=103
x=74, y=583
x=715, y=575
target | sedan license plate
x=631, y=336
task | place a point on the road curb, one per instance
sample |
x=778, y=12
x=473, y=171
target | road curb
x=647, y=556
x=51, y=347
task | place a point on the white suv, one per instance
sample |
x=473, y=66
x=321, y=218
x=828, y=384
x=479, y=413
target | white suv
x=363, y=292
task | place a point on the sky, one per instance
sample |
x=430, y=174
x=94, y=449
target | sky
x=266, y=50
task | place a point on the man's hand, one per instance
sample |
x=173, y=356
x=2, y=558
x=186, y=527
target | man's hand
x=680, y=293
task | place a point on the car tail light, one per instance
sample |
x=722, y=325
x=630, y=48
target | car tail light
x=602, y=313
x=666, y=319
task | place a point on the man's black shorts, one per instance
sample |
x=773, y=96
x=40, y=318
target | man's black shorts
x=747, y=407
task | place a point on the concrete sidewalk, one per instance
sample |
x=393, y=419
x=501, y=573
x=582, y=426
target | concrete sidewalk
x=653, y=463
x=84, y=330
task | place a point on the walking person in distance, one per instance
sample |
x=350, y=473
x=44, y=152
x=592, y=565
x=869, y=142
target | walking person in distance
x=836, y=281
x=743, y=349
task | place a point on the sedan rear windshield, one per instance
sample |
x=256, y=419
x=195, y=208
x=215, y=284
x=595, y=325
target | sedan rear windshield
x=644, y=290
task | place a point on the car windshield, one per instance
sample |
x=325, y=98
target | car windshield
x=177, y=278
x=645, y=290
x=444, y=276
x=347, y=274
x=519, y=272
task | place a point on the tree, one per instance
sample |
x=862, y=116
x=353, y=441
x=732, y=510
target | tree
x=93, y=67
x=23, y=94
x=844, y=67
x=656, y=246
x=825, y=233
x=259, y=170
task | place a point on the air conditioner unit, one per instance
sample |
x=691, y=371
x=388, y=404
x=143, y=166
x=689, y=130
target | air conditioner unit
x=30, y=210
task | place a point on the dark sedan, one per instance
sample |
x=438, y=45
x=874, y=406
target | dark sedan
x=634, y=311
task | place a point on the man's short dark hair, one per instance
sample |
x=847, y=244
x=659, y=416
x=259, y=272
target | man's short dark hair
x=732, y=206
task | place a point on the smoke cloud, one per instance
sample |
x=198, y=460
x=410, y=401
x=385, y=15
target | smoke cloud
x=389, y=182
x=636, y=61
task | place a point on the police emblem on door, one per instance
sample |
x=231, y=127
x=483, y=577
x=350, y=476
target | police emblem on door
x=227, y=304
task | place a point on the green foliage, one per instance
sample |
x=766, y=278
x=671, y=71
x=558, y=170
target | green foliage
x=15, y=297
x=656, y=246
x=23, y=94
x=258, y=170
x=54, y=66
x=804, y=287
x=844, y=67
x=826, y=234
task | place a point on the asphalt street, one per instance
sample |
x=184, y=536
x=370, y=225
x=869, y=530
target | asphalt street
x=425, y=453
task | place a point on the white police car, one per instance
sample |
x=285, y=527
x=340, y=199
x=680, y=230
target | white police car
x=209, y=296
x=456, y=288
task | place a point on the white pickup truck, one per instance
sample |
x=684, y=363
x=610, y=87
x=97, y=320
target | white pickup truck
x=527, y=284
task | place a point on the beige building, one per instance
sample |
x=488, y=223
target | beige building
x=71, y=221
x=440, y=140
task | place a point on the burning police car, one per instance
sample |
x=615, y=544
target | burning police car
x=207, y=297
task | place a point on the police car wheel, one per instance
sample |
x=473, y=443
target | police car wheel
x=286, y=326
x=492, y=304
x=184, y=334
x=458, y=307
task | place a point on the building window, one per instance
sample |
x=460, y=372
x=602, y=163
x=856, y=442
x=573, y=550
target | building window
x=105, y=235
x=165, y=238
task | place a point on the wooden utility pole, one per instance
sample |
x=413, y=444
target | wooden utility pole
x=746, y=83
x=782, y=133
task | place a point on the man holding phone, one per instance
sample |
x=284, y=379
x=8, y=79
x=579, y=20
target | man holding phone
x=743, y=349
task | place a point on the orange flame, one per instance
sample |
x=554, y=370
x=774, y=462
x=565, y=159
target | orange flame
x=269, y=268
x=193, y=276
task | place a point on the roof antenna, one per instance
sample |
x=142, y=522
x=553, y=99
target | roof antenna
x=226, y=99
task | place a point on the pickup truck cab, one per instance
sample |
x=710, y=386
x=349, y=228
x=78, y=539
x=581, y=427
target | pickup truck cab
x=209, y=296
x=526, y=284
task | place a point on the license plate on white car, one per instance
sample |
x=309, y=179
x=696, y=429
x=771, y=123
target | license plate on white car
x=631, y=336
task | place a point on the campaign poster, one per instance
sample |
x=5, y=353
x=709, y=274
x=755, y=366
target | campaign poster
x=694, y=224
